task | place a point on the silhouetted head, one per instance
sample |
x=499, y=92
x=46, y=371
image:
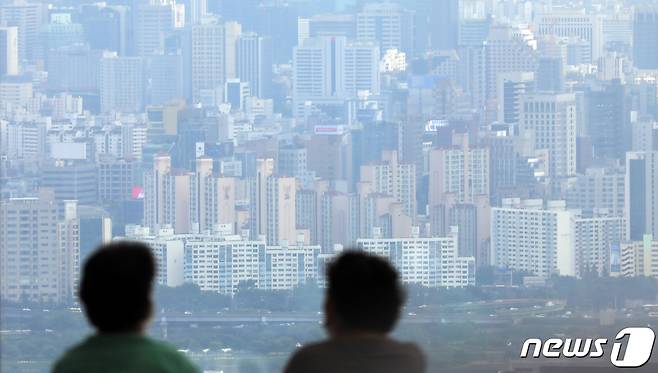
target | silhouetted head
x=116, y=287
x=364, y=294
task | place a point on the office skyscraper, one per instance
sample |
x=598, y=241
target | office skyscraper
x=332, y=70
x=105, y=27
x=550, y=121
x=164, y=78
x=152, y=23
x=386, y=23
x=444, y=24
x=72, y=180
x=208, y=68
x=576, y=24
x=550, y=75
x=121, y=84
x=258, y=197
x=505, y=52
x=254, y=63
x=641, y=195
x=511, y=89
x=232, y=32
x=608, y=120
x=28, y=18
x=645, y=37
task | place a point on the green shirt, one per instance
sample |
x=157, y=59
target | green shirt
x=127, y=353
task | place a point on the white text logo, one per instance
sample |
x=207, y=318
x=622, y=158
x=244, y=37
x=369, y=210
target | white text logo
x=631, y=348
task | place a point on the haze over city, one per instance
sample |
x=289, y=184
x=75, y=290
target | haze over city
x=502, y=155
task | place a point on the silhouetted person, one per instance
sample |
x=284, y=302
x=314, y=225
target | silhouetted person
x=115, y=291
x=362, y=306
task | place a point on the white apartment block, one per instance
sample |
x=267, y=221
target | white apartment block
x=431, y=261
x=529, y=236
x=220, y=263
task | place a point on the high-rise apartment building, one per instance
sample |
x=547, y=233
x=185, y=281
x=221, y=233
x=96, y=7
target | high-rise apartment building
x=220, y=263
x=459, y=172
x=39, y=249
x=594, y=238
x=393, y=178
x=281, y=227
x=188, y=202
x=258, y=197
x=639, y=258
x=432, y=262
x=212, y=199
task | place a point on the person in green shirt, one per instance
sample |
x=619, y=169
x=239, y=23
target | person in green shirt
x=116, y=294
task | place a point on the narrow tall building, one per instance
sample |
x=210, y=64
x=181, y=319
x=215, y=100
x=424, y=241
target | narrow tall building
x=281, y=227
x=645, y=37
x=254, y=63
x=208, y=59
x=8, y=51
x=641, y=194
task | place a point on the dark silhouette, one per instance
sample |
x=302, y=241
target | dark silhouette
x=362, y=306
x=116, y=293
